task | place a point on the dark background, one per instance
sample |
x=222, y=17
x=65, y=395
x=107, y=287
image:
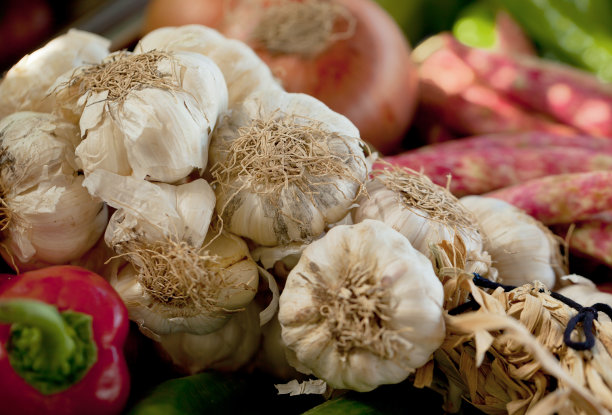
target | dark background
x=26, y=25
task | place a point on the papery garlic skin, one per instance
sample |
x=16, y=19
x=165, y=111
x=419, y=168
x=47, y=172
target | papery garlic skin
x=409, y=303
x=51, y=218
x=55, y=223
x=236, y=277
x=25, y=86
x=153, y=211
x=227, y=349
x=288, y=254
x=276, y=216
x=521, y=249
x=420, y=224
x=154, y=132
x=243, y=70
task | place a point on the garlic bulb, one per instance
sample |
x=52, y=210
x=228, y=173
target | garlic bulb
x=243, y=70
x=521, y=248
x=25, y=85
x=227, y=349
x=425, y=213
x=584, y=291
x=147, y=115
x=148, y=212
x=284, y=167
x=46, y=215
x=170, y=286
x=361, y=308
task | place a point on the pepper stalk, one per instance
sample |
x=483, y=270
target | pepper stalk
x=50, y=350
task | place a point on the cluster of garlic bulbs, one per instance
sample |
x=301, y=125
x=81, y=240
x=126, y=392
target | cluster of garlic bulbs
x=215, y=176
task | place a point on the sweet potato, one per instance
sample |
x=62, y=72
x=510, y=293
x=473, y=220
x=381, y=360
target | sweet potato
x=478, y=170
x=562, y=198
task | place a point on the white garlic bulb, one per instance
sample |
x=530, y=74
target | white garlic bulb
x=148, y=212
x=521, y=248
x=147, y=115
x=46, y=215
x=361, y=308
x=284, y=167
x=226, y=349
x=243, y=70
x=583, y=291
x=170, y=286
x=425, y=213
x=25, y=86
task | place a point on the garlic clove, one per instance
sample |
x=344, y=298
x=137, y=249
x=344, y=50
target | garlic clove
x=244, y=72
x=361, y=308
x=25, y=85
x=521, y=248
x=266, y=198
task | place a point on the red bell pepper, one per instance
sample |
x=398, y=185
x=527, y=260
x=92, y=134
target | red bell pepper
x=62, y=352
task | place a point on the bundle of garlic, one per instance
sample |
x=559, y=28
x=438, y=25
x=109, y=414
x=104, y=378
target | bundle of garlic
x=25, y=86
x=181, y=274
x=502, y=365
x=425, y=213
x=521, y=248
x=284, y=167
x=46, y=215
x=361, y=308
x=148, y=115
x=227, y=349
x=243, y=70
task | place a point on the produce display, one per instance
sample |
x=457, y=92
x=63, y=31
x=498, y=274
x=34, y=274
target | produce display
x=312, y=207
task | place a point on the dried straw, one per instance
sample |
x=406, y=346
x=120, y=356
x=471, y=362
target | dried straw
x=508, y=357
x=304, y=28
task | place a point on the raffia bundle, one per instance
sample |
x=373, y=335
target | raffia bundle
x=509, y=356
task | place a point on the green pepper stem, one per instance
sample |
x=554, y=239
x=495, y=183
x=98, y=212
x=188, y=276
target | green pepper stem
x=58, y=345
